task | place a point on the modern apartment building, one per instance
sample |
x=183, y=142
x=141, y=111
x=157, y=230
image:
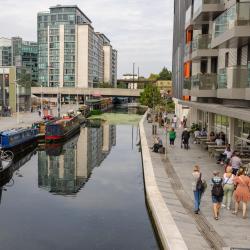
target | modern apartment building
x=71, y=53
x=12, y=93
x=211, y=65
x=19, y=53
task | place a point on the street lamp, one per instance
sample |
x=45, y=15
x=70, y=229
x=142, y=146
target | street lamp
x=17, y=101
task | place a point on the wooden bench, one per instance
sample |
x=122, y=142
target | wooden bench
x=212, y=148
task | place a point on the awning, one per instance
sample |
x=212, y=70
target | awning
x=234, y=112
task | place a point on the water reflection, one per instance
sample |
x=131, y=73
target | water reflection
x=6, y=176
x=64, y=168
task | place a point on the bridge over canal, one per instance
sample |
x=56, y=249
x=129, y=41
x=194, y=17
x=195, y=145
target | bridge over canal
x=81, y=92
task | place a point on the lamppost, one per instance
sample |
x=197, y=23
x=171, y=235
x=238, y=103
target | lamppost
x=17, y=101
x=41, y=100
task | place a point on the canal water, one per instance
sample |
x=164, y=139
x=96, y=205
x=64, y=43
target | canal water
x=87, y=193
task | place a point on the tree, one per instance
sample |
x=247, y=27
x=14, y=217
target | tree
x=165, y=74
x=105, y=85
x=24, y=79
x=151, y=96
x=153, y=77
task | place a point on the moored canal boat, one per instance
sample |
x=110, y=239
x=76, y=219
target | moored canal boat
x=62, y=129
x=18, y=140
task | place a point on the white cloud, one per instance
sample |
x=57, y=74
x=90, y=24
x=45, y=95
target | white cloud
x=141, y=30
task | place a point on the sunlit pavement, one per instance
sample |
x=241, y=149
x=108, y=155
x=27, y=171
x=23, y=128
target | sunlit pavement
x=26, y=119
x=174, y=178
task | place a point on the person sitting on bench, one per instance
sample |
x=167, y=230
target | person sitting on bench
x=157, y=145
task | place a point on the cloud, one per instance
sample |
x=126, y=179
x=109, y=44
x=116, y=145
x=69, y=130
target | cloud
x=141, y=30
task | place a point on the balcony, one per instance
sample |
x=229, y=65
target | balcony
x=186, y=87
x=204, y=85
x=232, y=28
x=188, y=19
x=201, y=47
x=233, y=82
x=206, y=10
x=188, y=52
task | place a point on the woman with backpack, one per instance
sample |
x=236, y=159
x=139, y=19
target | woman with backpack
x=198, y=187
x=242, y=192
x=217, y=193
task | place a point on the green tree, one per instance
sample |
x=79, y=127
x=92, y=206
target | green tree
x=151, y=96
x=153, y=77
x=165, y=74
x=24, y=79
x=105, y=85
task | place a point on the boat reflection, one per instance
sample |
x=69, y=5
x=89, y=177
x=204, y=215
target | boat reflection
x=7, y=174
x=64, y=168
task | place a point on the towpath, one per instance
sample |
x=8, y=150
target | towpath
x=174, y=177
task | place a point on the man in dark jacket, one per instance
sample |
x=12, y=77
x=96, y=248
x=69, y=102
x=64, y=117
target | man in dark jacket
x=185, y=138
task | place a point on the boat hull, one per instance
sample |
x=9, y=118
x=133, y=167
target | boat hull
x=64, y=137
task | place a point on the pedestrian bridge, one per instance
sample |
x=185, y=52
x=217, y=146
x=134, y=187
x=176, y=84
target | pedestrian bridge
x=109, y=92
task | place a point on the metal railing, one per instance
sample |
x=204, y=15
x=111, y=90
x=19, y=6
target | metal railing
x=206, y=81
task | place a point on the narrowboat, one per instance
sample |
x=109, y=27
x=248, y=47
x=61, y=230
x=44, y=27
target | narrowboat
x=41, y=126
x=18, y=140
x=62, y=129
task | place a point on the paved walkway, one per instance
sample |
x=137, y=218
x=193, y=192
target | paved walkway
x=173, y=176
x=26, y=119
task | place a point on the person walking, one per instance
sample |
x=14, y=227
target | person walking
x=174, y=122
x=235, y=162
x=197, y=190
x=185, y=138
x=172, y=136
x=228, y=187
x=242, y=192
x=217, y=193
x=184, y=122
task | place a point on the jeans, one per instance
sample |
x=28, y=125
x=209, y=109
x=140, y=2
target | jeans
x=228, y=193
x=197, y=200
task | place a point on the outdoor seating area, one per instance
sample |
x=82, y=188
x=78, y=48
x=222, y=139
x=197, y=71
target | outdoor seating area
x=217, y=146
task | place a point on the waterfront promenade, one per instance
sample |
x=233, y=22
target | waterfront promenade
x=173, y=176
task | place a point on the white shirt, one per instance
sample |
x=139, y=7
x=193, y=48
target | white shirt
x=228, y=154
x=228, y=180
x=175, y=119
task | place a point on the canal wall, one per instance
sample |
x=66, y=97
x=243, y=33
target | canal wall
x=167, y=229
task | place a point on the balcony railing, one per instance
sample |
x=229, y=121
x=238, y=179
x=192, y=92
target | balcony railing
x=237, y=15
x=199, y=3
x=187, y=84
x=234, y=77
x=201, y=42
x=204, y=81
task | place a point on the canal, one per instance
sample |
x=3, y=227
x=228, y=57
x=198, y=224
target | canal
x=87, y=193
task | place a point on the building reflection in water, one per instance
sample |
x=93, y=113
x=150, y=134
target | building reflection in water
x=64, y=168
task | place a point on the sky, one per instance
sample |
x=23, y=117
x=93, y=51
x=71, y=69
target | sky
x=141, y=30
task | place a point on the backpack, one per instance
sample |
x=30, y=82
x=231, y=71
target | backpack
x=201, y=185
x=217, y=189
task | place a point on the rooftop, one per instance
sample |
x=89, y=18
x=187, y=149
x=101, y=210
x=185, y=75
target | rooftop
x=70, y=6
